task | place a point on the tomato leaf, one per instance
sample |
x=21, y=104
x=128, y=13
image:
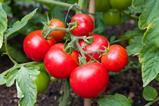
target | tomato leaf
x=3, y=23
x=149, y=58
x=114, y=100
x=19, y=24
x=135, y=46
x=150, y=93
x=137, y=6
x=149, y=21
x=24, y=77
x=26, y=88
x=149, y=54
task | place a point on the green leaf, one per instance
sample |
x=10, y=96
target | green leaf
x=16, y=54
x=150, y=93
x=64, y=100
x=27, y=91
x=149, y=14
x=11, y=77
x=3, y=23
x=149, y=21
x=137, y=6
x=135, y=41
x=114, y=100
x=135, y=46
x=149, y=58
x=19, y=24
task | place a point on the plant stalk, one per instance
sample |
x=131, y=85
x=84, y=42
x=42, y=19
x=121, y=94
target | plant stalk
x=59, y=3
x=92, y=8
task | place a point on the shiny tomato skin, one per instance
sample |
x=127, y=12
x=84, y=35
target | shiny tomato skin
x=116, y=59
x=99, y=43
x=58, y=35
x=89, y=80
x=85, y=25
x=35, y=46
x=58, y=63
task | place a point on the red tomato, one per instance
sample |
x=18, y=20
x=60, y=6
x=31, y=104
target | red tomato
x=85, y=25
x=89, y=80
x=116, y=59
x=99, y=43
x=58, y=35
x=58, y=63
x=35, y=46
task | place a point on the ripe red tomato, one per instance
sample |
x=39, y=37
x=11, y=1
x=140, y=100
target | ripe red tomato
x=85, y=25
x=59, y=63
x=99, y=43
x=116, y=59
x=58, y=35
x=35, y=46
x=89, y=80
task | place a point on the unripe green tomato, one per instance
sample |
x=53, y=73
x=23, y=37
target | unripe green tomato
x=112, y=17
x=120, y=4
x=42, y=81
x=102, y=5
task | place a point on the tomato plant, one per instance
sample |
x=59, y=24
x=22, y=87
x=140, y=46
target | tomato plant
x=58, y=63
x=35, y=46
x=84, y=25
x=89, y=80
x=58, y=35
x=73, y=49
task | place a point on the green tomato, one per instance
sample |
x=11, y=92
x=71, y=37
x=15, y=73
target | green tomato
x=120, y=4
x=102, y=5
x=112, y=17
x=42, y=80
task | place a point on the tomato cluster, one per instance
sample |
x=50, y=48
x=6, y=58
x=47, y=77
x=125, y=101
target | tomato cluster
x=88, y=63
x=112, y=10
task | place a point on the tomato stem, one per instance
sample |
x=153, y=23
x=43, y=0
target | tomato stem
x=7, y=51
x=49, y=30
x=87, y=102
x=16, y=66
x=59, y=3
